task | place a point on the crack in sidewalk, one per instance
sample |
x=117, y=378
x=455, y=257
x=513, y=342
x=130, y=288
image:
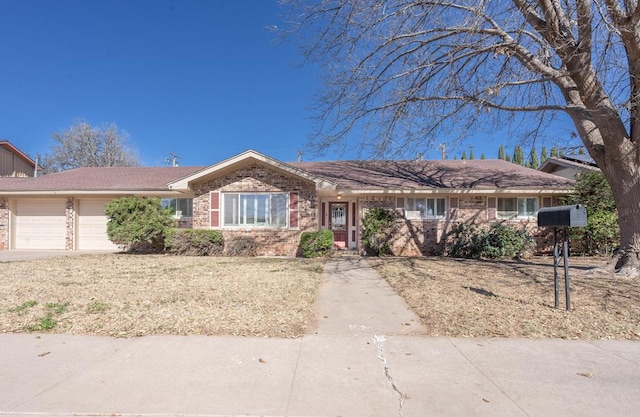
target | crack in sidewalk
x=378, y=340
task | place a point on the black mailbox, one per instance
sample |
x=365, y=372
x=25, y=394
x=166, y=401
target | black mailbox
x=563, y=216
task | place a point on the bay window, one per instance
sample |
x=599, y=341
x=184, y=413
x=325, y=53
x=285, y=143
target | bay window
x=255, y=209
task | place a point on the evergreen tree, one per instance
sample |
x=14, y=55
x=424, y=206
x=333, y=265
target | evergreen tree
x=482, y=156
x=543, y=154
x=533, y=159
x=518, y=156
x=555, y=152
x=464, y=155
x=507, y=158
x=501, y=154
x=471, y=155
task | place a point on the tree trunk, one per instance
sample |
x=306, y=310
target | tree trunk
x=625, y=185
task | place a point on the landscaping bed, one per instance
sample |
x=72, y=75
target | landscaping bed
x=135, y=295
x=461, y=297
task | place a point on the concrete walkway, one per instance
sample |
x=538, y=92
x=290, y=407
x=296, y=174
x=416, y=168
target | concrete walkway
x=354, y=299
x=357, y=361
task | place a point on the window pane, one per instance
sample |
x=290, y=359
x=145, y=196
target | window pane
x=507, y=207
x=527, y=207
x=247, y=209
x=279, y=210
x=506, y=204
x=440, y=207
x=262, y=209
x=230, y=209
x=431, y=207
x=185, y=205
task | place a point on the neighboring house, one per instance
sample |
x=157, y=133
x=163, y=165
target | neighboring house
x=273, y=202
x=568, y=166
x=15, y=163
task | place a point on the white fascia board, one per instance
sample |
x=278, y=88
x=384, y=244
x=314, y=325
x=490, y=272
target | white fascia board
x=536, y=191
x=71, y=193
x=183, y=183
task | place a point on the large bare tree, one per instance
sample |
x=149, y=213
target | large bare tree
x=408, y=71
x=82, y=145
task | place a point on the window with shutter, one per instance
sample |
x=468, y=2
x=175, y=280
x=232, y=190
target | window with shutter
x=294, y=212
x=214, y=207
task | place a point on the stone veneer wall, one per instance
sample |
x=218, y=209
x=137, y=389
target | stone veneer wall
x=4, y=224
x=70, y=213
x=260, y=178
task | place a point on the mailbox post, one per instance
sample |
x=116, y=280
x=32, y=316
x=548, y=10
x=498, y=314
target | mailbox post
x=562, y=216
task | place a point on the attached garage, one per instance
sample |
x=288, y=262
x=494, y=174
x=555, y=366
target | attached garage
x=40, y=224
x=92, y=226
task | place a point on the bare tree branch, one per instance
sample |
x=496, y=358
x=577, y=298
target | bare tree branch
x=82, y=145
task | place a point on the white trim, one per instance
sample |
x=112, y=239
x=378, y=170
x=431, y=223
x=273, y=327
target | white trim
x=348, y=192
x=183, y=183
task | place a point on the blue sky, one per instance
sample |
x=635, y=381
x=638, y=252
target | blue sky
x=202, y=79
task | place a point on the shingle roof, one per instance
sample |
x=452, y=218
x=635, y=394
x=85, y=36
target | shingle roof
x=357, y=175
x=457, y=174
x=101, y=179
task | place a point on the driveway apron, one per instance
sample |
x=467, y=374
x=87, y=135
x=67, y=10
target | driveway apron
x=354, y=299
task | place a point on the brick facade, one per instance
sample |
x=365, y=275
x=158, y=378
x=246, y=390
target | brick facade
x=4, y=224
x=418, y=237
x=257, y=177
x=70, y=213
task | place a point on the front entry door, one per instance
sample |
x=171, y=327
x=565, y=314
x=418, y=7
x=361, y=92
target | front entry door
x=338, y=223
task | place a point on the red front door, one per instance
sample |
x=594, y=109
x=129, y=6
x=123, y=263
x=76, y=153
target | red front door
x=338, y=223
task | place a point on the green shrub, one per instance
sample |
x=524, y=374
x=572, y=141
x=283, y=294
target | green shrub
x=241, y=246
x=314, y=244
x=464, y=241
x=194, y=242
x=138, y=223
x=502, y=241
x=499, y=241
x=602, y=234
x=378, y=230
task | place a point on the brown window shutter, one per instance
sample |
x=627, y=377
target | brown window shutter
x=214, y=206
x=492, y=207
x=294, y=210
x=324, y=214
x=453, y=207
x=400, y=202
x=547, y=202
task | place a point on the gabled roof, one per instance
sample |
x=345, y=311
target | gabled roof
x=348, y=176
x=243, y=159
x=581, y=163
x=433, y=175
x=100, y=179
x=9, y=147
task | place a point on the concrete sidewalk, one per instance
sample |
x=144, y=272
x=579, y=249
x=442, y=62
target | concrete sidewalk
x=345, y=367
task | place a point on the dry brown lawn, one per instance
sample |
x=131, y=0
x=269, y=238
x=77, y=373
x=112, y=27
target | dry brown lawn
x=456, y=297
x=135, y=295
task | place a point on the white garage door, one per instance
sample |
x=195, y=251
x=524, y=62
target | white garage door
x=40, y=224
x=92, y=226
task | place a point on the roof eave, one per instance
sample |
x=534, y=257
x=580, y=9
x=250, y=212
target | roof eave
x=183, y=183
x=532, y=191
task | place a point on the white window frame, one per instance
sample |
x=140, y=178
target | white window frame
x=418, y=214
x=516, y=214
x=241, y=210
